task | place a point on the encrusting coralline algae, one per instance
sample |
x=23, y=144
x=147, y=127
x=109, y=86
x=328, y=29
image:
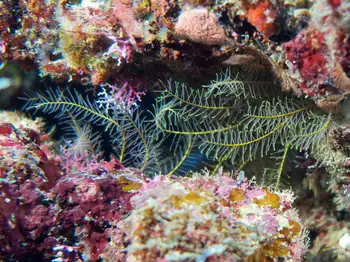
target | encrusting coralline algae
x=103, y=210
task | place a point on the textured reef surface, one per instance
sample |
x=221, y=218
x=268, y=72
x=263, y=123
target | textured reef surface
x=174, y=130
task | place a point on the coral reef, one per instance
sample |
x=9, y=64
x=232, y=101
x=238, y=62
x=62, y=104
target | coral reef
x=45, y=208
x=216, y=218
x=26, y=174
x=94, y=42
x=142, y=92
x=78, y=214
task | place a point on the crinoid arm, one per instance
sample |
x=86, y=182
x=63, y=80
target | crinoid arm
x=227, y=130
x=126, y=126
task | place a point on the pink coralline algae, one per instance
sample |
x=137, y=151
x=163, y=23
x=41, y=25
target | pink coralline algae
x=26, y=175
x=90, y=204
x=332, y=19
x=101, y=210
x=319, y=55
x=212, y=219
x=310, y=57
x=314, y=66
x=45, y=210
x=201, y=26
